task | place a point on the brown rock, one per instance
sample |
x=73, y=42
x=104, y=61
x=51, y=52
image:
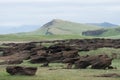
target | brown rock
x=18, y=70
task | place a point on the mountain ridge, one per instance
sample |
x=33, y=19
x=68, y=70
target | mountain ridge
x=104, y=24
x=60, y=27
x=55, y=26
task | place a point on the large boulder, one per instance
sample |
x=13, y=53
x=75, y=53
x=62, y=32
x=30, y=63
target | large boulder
x=96, y=62
x=18, y=70
x=38, y=59
x=102, y=63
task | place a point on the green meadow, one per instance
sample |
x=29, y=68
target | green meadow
x=13, y=37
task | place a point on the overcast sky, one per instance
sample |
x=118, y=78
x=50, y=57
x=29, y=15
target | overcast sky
x=38, y=12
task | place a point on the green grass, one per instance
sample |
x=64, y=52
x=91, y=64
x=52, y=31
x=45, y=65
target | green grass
x=13, y=37
x=114, y=37
x=61, y=74
x=111, y=32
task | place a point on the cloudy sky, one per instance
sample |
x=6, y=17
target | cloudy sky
x=38, y=12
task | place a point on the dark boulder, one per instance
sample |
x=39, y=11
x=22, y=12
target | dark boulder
x=96, y=62
x=38, y=59
x=102, y=63
x=18, y=70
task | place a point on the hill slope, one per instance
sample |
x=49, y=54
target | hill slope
x=104, y=24
x=60, y=27
x=53, y=30
x=111, y=32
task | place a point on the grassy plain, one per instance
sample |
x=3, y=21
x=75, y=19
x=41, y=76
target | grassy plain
x=57, y=73
x=13, y=37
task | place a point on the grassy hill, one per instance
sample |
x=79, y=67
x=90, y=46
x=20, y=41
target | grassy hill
x=55, y=29
x=108, y=33
x=60, y=27
x=111, y=32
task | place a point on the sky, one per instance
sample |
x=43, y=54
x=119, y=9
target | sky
x=14, y=13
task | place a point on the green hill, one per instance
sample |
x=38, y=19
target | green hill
x=55, y=29
x=61, y=27
x=110, y=33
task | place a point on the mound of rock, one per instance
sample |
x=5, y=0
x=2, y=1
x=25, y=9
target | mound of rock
x=61, y=50
x=18, y=70
x=96, y=62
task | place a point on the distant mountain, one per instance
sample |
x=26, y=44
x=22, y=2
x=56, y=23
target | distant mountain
x=104, y=24
x=61, y=27
x=55, y=27
x=17, y=29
